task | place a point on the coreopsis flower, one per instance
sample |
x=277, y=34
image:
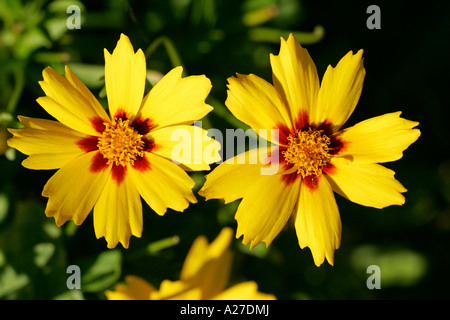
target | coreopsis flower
x=204, y=276
x=106, y=161
x=313, y=156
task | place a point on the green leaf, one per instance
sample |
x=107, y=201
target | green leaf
x=43, y=252
x=11, y=281
x=29, y=42
x=70, y=295
x=4, y=206
x=399, y=267
x=100, y=272
x=91, y=75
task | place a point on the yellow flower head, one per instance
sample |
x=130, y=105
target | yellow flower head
x=204, y=276
x=314, y=157
x=106, y=162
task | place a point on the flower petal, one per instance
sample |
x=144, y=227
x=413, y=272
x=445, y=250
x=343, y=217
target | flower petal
x=69, y=101
x=244, y=291
x=208, y=266
x=200, y=252
x=135, y=289
x=176, y=290
x=125, y=73
x=232, y=178
x=340, y=91
x=265, y=209
x=176, y=100
x=255, y=102
x=164, y=185
x=295, y=77
x=367, y=184
x=188, y=145
x=74, y=189
x=317, y=221
x=379, y=139
x=50, y=144
x=118, y=212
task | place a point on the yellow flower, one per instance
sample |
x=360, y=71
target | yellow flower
x=204, y=276
x=314, y=157
x=106, y=162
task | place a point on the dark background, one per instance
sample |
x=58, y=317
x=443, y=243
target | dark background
x=407, y=65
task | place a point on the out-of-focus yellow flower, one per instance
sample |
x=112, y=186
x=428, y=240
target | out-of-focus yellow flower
x=3, y=138
x=204, y=276
x=107, y=162
x=312, y=155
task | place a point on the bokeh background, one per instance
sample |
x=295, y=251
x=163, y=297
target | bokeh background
x=407, y=63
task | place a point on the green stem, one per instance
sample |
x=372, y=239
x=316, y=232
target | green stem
x=172, y=52
x=157, y=246
x=19, y=84
x=273, y=35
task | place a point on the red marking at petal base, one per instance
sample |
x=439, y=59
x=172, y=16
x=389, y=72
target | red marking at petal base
x=329, y=169
x=121, y=114
x=290, y=178
x=336, y=143
x=312, y=182
x=283, y=133
x=88, y=143
x=118, y=173
x=99, y=163
x=149, y=144
x=142, y=164
x=142, y=126
x=302, y=121
x=98, y=124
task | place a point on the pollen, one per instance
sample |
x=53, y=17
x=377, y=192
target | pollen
x=120, y=143
x=308, y=152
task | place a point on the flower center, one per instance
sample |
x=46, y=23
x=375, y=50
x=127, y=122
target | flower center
x=120, y=143
x=308, y=151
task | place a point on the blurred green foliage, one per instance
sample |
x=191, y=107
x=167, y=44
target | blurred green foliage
x=405, y=63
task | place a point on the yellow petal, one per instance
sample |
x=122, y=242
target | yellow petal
x=213, y=276
x=244, y=291
x=136, y=288
x=255, y=102
x=125, y=73
x=208, y=266
x=69, y=101
x=265, y=209
x=379, y=139
x=48, y=161
x=367, y=184
x=50, y=144
x=74, y=189
x=164, y=185
x=295, y=77
x=201, y=252
x=232, y=178
x=195, y=258
x=118, y=212
x=176, y=290
x=317, y=221
x=81, y=87
x=188, y=145
x=176, y=100
x=340, y=90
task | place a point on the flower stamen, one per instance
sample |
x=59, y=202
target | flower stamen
x=120, y=143
x=308, y=151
